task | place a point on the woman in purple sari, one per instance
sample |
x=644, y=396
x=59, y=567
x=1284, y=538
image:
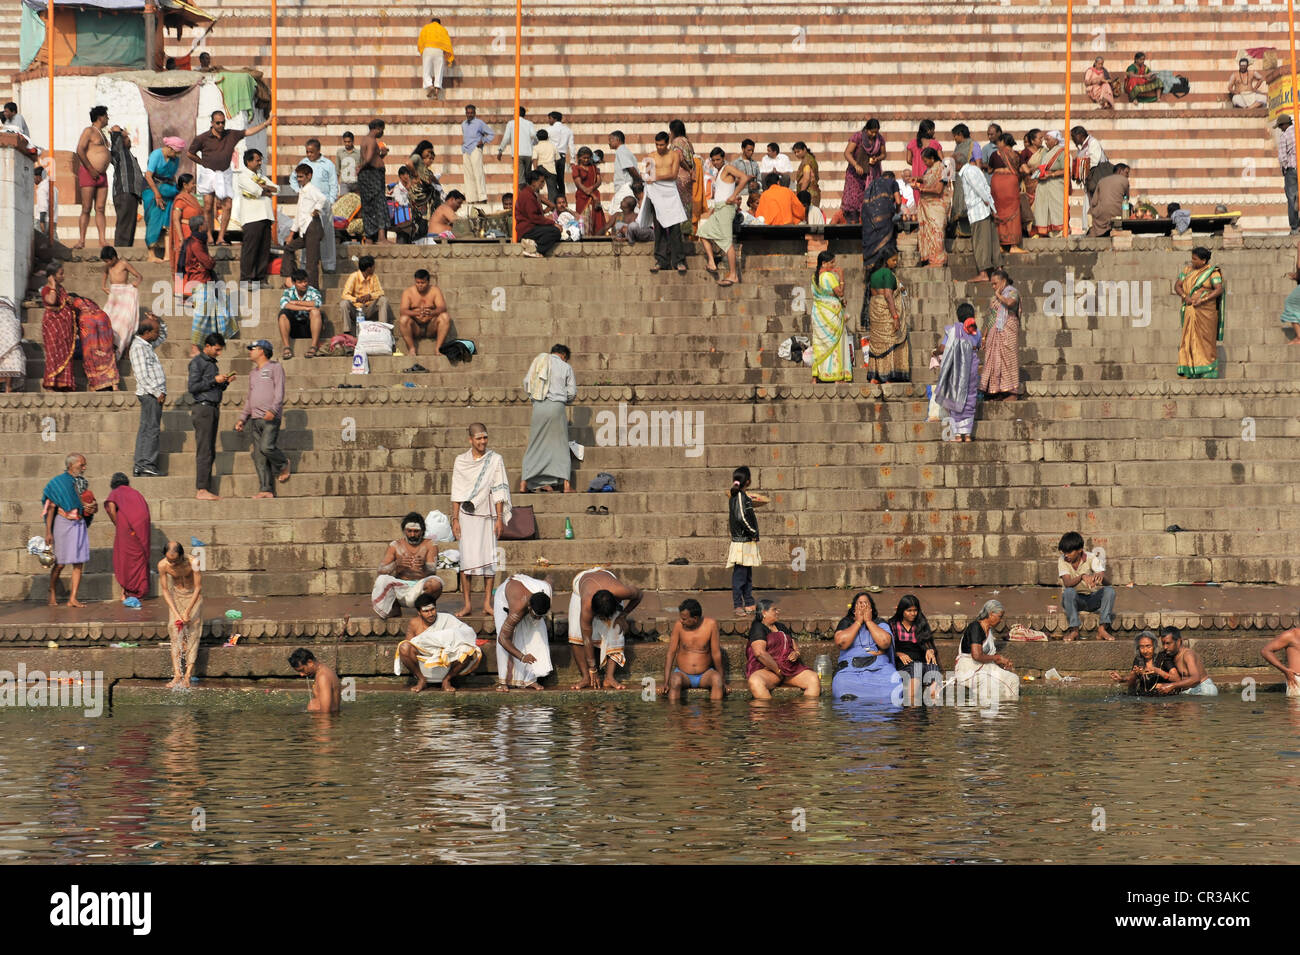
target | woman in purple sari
x=957, y=391
x=864, y=154
x=129, y=512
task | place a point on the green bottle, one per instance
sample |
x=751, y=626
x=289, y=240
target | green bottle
x=568, y=529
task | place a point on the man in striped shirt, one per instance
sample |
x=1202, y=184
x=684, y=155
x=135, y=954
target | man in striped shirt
x=151, y=389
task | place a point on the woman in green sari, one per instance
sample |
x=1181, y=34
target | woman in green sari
x=889, y=357
x=832, y=360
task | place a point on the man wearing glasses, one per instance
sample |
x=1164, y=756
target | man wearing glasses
x=213, y=156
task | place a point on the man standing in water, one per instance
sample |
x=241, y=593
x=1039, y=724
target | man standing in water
x=326, y=692
x=1192, y=678
x=696, y=653
x=598, y=611
x=181, y=584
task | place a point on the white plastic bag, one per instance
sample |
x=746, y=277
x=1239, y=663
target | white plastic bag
x=375, y=338
x=360, y=363
x=437, y=527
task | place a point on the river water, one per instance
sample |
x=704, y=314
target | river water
x=1072, y=779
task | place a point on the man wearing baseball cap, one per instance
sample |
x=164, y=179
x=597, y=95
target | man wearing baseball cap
x=262, y=411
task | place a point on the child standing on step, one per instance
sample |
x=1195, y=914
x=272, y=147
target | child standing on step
x=743, y=556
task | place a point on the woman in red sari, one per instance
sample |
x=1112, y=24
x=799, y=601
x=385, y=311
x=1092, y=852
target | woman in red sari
x=1004, y=168
x=98, y=350
x=933, y=202
x=586, y=194
x=58, y=334
x=129, y=512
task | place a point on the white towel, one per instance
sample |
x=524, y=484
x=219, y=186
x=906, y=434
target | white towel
x=663, y=204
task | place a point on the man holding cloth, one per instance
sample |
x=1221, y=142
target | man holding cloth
x=69, y=507
x=262, y=413
x=663, y=206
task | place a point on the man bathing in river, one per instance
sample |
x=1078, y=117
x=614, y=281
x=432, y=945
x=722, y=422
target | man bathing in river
x=326, y=691
x=694, y=655
x=408, y=570
x=438, y=647
x=1192, y=679
x=598, y=611
x=1288, y=640
x=519, y=608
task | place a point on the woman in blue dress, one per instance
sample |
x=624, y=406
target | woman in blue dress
x=160, y=188
x=866, y=669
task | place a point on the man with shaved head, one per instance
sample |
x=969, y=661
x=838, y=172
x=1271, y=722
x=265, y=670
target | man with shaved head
x=69, y=507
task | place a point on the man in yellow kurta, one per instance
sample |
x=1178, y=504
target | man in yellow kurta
x=434, y=44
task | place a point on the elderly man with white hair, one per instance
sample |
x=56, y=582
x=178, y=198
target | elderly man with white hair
x=68, y=508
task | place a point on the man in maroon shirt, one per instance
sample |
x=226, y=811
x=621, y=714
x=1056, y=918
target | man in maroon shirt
x=537, y=234
x=212, y=154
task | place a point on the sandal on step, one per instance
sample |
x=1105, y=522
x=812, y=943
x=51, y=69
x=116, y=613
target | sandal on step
x=286, y=353
x=311, y=352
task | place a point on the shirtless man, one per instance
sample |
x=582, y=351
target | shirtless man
x=600, y=603
x=117, y=270
x=1288, y=640
x=1192, y=678
x=520, y=607
x=370, y=170
x=450, y=638
x=181, y=584
x=423, y=313
x=668, y=213
x=695, y=650
x=441, y=221
x=408, y=570
x=326, y=691
x=88, y=165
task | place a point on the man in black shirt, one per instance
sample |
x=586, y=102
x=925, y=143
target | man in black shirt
x=206, y=388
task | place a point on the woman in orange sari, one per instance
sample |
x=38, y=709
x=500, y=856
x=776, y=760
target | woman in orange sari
x=185, y=206
x=586, y=194
x=1200, y=287
x=933, y=203
x=1004, y=168
x=1099, y=84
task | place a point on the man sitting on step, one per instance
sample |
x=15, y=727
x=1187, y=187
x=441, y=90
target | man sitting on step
x=362, y=298
x=408, y=570
x=422, y=314
x=1083, y=582
x=438, y=647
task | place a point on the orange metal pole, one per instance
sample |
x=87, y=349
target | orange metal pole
x=1069, y=67
x=275, y=122
x=519, y=32
x=1295, y=100
x=50, y=229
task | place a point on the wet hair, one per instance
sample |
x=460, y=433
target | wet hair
x=962, y=130
x=922, y=625
x=964, y=311
x=249, y=154
x=107, y=254
x=118, y=480
x=456, y=194
x=298, y=275
x=98, y=111
x=619, y=134
x=366, y=262
x=215, y=338
x=717, y=151
x=1145, y=635
x=540, y=603
x=302, y=167
x=425, y=599
x=561, y=350
x=412, y=518
x=604, y=605
x=771, y=179
x=929, y=152
x=740, y=477
x=692, y=607
x=421, y=274
x=1071, y=540
x=677, y=127
x=301, y=657
x=1202, y=253
x=1173, y=632
x=989, y=609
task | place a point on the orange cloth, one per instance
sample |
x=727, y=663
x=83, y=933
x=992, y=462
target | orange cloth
x=65, y=39
x=780, y=206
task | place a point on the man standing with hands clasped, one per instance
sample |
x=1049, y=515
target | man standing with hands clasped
x=262, y=413
x=206, y=387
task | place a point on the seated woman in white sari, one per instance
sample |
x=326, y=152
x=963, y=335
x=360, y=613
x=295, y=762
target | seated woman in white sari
x=407, y=570
x=437, y=648
x=986, y=675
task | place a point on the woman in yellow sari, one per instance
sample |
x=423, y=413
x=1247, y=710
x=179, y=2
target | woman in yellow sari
x=1201, y=288
x=830, y=341
x=933, y=203
x=889, y=357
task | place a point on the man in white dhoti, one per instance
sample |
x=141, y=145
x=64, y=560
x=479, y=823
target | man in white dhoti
x=480, y=510
x=663, y=206
x=407, y=570
x=547, y=460
x=598, y=610
x=520, y=607
x=438, y=647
